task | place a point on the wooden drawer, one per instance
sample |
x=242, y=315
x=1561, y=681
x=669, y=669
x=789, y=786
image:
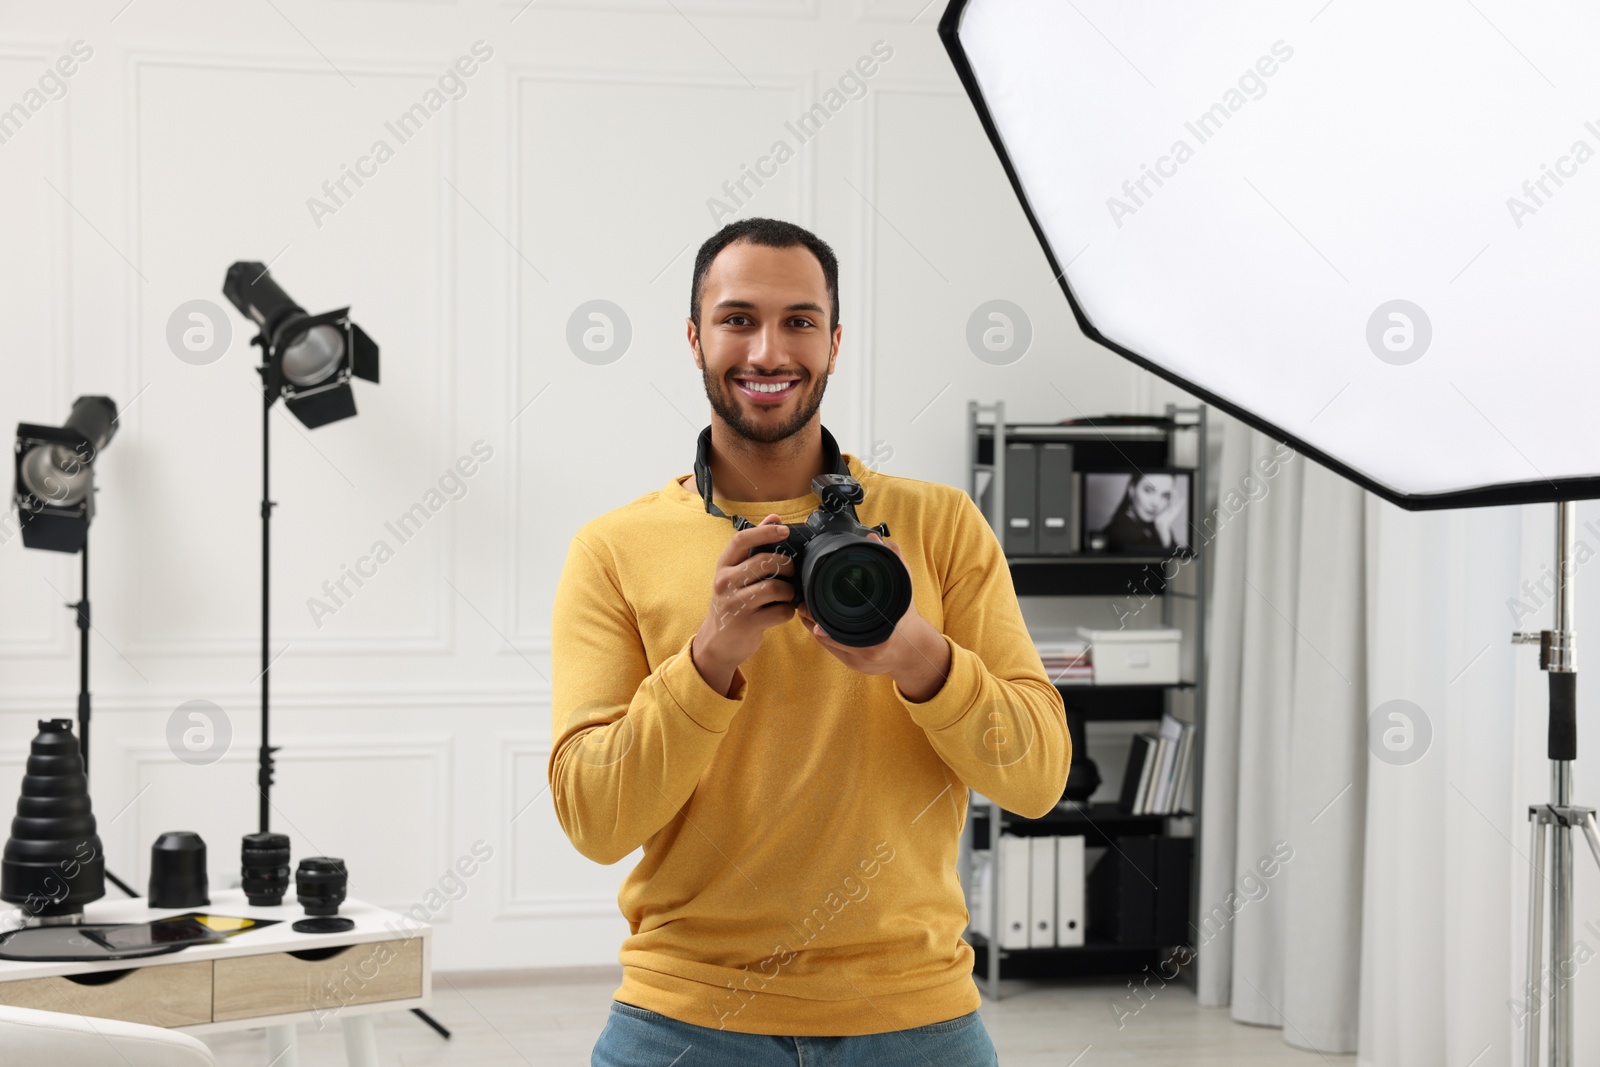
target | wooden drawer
x=320, y=980
x=176, y=994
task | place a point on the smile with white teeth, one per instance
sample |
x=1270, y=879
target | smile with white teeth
x=759, y=386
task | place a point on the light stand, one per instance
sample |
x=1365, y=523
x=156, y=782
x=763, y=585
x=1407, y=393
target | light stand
x=1558, y=817
x=264, y=760
x=309, y=361
x=81, y=610
x=54, y=497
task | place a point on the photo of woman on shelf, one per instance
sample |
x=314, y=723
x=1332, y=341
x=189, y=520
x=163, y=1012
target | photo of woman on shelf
x=1137, y=513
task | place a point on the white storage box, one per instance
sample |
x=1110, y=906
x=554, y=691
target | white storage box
x=1133, y=657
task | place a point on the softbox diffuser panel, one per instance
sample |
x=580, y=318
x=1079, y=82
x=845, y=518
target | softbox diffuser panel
x=1366, y=229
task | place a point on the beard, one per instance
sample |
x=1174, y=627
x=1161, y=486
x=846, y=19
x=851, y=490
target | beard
x=729, y=405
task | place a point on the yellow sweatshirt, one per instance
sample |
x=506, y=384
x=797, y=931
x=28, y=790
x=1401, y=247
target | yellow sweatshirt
x=800, y=836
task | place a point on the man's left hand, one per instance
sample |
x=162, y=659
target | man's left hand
x=916, y=654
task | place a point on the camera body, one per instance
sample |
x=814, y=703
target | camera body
x=856, y=588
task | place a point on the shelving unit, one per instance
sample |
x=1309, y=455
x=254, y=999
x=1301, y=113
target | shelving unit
x=1095, y=575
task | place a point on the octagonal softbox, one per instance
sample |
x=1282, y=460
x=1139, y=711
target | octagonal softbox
x=1367, y=230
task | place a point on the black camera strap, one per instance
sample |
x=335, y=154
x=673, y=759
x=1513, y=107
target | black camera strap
x=832, y=460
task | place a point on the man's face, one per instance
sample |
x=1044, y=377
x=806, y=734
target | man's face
x=764, y=321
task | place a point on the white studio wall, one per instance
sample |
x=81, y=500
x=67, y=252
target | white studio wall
x=574, y=163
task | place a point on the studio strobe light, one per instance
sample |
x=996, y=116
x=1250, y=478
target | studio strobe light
x=309, y=361
x=1351, y=244
x=53, y=492
x=1369, y=250
x=54, y=497
x=54, y=469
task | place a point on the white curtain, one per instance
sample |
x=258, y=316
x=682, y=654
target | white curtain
x=1396, y=929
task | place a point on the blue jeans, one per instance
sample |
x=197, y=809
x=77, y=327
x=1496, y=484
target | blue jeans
x=638, y=1037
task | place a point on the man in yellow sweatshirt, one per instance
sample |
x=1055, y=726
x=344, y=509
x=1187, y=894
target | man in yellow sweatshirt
x=799, y=801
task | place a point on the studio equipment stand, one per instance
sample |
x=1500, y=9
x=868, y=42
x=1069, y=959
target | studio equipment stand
x=81, y=611
x=1559, y=817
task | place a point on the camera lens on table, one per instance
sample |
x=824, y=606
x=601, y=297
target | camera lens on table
x=320, y=882
x=264, y=861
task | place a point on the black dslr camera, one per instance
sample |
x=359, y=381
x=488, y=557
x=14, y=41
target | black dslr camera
x=856, y=588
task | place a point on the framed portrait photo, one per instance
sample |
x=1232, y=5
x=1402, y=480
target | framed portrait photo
x=1138, y=513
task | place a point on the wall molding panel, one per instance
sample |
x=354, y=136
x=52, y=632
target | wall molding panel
x=435, y=638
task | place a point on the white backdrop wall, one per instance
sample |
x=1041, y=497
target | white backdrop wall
x=574, y=163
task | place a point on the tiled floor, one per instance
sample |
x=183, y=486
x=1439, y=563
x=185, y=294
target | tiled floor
x=538, y=1018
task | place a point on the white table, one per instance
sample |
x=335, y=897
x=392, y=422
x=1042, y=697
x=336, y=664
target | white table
x=271, y=978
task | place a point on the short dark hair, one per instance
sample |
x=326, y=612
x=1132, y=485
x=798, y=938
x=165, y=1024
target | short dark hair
x=772, y=233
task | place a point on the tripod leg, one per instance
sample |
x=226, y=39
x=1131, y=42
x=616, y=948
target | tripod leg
x=1592, y=834
x=431, y=1021
x=1535, y=984
x=1561, y=947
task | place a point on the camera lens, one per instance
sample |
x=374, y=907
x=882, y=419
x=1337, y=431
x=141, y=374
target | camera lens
x=264, y=859
x=855, y=585
x=320, y=882
x=858, y=592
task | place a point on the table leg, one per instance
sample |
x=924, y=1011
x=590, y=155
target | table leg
x=360, y=1041
x=281, y=1046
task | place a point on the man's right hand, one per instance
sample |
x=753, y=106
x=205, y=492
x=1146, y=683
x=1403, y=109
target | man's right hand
x=748, y=596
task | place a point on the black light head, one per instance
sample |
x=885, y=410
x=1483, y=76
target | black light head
x=53, y=486
x=309, y=359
